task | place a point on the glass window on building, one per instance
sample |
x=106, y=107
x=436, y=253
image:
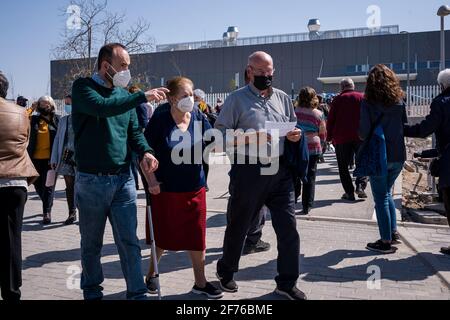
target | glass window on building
x=422, y=65
x=351, y=69
x=398, y=66
x=435, y=64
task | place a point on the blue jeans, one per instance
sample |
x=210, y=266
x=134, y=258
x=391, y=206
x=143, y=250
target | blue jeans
x=384, y=202
x=112, y=197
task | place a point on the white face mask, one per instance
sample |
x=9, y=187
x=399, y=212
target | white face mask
x=121, y=79
x=186, y=104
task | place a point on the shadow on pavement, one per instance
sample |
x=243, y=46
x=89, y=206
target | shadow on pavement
x=319, y=269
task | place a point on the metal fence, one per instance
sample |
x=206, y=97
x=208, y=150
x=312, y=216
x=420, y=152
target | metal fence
x=419, y=99
x=60, y=108
x=211, y=98
x=282, y=38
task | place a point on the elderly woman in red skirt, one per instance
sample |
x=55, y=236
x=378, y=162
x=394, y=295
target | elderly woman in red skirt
x=178, y=195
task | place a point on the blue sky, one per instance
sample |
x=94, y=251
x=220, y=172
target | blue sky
x=31, y=28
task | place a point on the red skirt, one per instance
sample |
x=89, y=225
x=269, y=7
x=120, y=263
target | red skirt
x=179, y=221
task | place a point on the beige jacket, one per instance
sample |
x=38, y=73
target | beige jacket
x=14, y=137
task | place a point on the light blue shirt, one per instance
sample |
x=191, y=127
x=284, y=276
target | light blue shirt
x=246, y=109
x=96, y=77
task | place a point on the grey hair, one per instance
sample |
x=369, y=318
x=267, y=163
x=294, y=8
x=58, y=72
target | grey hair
x=49, y=100
x=444, y=78
x=200, y=93
x=4, y=85
x=347, y=83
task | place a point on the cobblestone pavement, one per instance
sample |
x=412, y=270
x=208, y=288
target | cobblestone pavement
x=334, y=261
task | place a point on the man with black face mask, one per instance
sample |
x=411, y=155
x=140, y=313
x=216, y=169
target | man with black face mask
x=251, y=188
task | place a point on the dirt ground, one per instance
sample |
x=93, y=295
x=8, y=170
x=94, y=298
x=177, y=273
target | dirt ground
x=415, y=175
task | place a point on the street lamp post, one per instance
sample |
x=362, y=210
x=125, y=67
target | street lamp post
x=443, y=12
x=408, y=83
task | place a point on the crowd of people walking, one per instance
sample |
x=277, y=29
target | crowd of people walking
x=118, y=124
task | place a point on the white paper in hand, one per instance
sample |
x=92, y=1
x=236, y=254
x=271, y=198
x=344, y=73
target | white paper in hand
x=282, y=127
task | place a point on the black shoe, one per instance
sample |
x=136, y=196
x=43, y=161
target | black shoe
x=152, y=285
x=210, y=291
x=261, y=246
x=305, y=211
x=446, y=251
x=293, y=294
x=47, y=219
x=227, y=284
x=396, y=238
x=348, y=197
x=361, y=193
x=381, y=247
x=71, y=220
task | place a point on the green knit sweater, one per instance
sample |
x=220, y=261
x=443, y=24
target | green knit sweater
x=106, y=127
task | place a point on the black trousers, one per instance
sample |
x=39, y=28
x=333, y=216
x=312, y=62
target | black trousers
x=345, y=154
x=249, y=192
x=46, y=194
x=256, y=228
x=11, y=215
x=308, y=189
x=70, y=193
x=446, y=196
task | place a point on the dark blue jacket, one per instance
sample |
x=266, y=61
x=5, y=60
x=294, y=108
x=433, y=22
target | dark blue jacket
x=394, y=118
x=437, y=122
x=142, y=114
x=297, y=157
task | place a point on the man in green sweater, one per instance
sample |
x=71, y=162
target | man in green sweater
x=106, y=131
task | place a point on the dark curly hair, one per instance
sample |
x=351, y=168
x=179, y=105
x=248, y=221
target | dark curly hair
x=383, y=87
x=307, y=98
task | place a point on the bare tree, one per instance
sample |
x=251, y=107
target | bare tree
x=173, y=60
x=12, y=86
x=95, y=27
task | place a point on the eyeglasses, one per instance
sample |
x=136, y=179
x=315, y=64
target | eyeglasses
x=263, y=72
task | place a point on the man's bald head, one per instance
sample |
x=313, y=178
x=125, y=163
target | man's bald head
x=260, y=57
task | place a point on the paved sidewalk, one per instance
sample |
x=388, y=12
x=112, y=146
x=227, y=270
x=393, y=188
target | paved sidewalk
x=334, y=261
x=334, y=265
